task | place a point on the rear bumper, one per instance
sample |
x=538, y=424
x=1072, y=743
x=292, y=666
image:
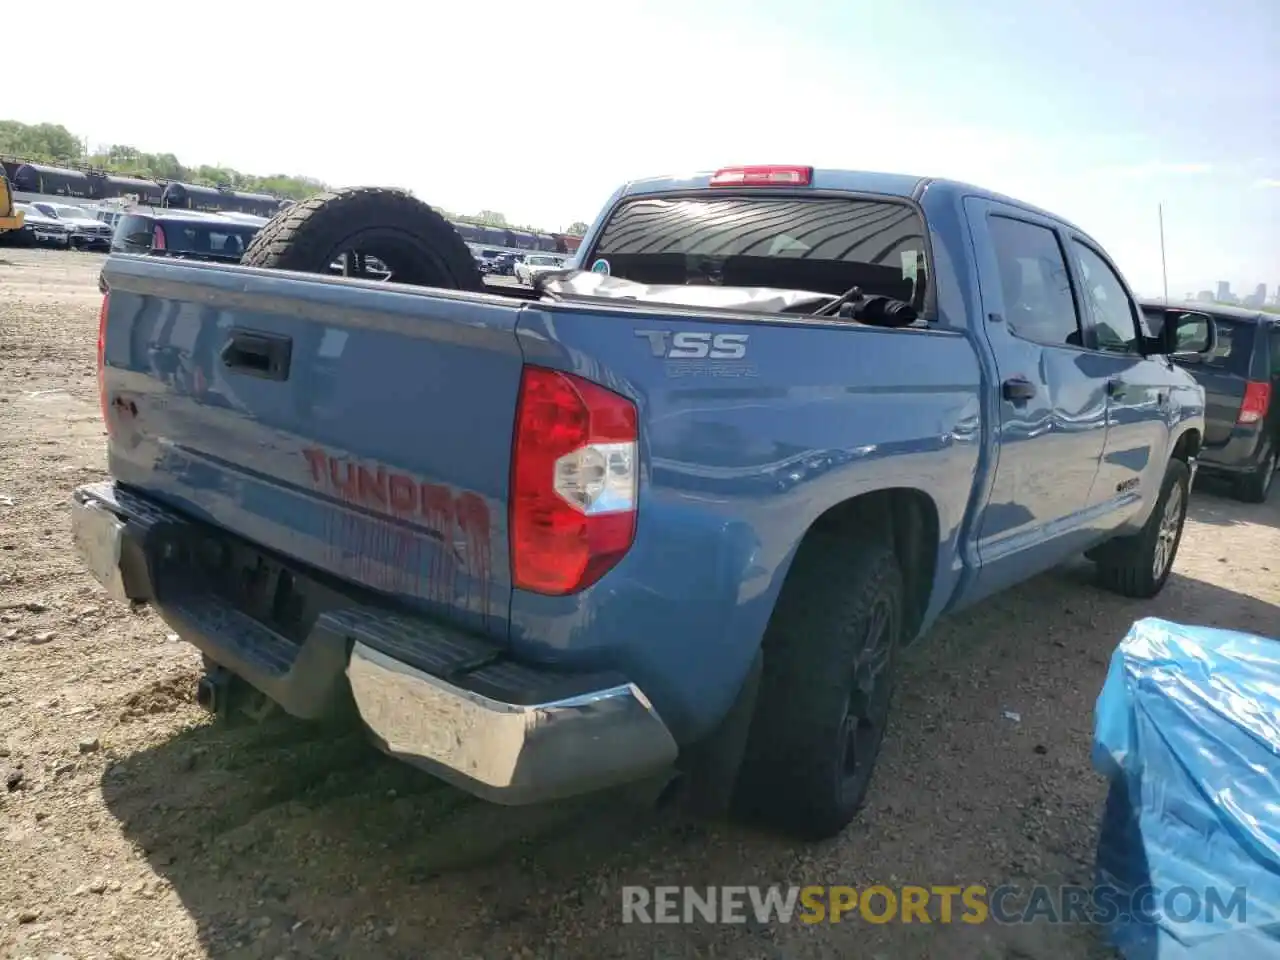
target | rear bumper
x=443, y=699
x=1240, y=454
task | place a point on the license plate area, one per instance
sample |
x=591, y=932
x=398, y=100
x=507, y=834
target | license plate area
x=281, y=596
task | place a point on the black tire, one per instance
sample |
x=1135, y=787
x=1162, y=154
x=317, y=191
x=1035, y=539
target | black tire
x=1139, y=565
x=416, y=243
x=809, y=758
x=1255, y=487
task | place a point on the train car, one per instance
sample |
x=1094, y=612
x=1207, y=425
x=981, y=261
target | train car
x=523, y=240
x=130, y=188
x=189, y=196
x=545, y=243
x=493, y=236
x=258, y=204
x=53, y=181
x=10, y=168
x=469, y=232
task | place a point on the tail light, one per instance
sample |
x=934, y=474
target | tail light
x=102, y=360
x=770, y=176
x=1257, y=397
x=573, y=482
x=157, y=238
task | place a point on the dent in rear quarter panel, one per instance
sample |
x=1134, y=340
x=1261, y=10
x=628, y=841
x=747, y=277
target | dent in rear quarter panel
x=738, y=459
x=391, y=397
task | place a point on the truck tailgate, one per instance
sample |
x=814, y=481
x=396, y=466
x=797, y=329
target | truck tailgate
x=360, y=429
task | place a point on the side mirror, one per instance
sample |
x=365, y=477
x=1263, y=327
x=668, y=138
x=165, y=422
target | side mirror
x=1188, y=336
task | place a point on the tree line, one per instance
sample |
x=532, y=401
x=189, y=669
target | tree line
x=55, y=145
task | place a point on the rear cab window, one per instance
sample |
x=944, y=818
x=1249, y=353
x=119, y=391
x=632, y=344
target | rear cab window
x=821, y=244
x=139, y=234
x=227, y=240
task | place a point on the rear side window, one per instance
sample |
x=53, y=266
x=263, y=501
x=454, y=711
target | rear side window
x=133, y=235
x=1275, y=353
x=818, y=244
x=1034, y=281
x=1235, y=347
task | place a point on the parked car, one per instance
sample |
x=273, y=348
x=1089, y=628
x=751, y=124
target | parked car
x=504, y=264
x=1241, y=379
x=487, y=260
x=535, y=264
x=87, y=231
x=38, y=229
x=675, y=515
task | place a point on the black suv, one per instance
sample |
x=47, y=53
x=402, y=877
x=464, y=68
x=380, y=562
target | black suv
x=1241, y=379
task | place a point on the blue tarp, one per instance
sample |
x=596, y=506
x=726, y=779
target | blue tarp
x=1187, y=730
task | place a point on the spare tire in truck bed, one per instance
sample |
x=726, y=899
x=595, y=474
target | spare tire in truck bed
x=418, y=245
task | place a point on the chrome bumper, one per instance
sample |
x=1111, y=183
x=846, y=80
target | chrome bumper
x=475, y=729
x=509, y=753
x=98, y=535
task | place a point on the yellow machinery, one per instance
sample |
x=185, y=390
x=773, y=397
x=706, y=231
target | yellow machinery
x=10, y=219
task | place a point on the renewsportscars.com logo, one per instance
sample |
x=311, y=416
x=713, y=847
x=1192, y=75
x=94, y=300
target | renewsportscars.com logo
x=972, y=904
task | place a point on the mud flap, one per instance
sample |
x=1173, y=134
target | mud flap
x=709, y=769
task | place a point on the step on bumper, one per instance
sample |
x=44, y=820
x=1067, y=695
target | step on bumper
x=443, y=699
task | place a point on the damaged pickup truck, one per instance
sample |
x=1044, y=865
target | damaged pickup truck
x=669, y=518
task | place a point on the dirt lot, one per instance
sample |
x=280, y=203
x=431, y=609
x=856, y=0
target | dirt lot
x=131, y=827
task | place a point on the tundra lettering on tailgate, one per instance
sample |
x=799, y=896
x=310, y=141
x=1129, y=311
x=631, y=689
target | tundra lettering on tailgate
x=391, y=553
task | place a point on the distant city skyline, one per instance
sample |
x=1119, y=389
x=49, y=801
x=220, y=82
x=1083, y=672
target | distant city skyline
x=1222, y=293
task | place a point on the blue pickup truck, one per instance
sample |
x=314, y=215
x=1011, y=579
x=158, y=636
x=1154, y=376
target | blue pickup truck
x=672, y=513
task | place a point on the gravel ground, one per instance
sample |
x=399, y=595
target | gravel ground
x=132, y=827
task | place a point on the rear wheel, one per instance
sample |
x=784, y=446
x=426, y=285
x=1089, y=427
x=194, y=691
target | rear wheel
x=830, y=656
x=1256, y=486
x=353, y=226
x=1139, y=565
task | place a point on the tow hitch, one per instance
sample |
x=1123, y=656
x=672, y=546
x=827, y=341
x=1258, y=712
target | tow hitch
x=213, y=692
x=228, y=697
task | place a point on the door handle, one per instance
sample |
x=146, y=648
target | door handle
x=1018, y=389
x=265, y=355
x=1116, y=387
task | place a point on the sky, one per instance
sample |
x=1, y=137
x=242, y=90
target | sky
x=1098, y=111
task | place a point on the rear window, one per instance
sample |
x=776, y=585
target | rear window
x=222, y=239
x=819, y=244
x=136, y=234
